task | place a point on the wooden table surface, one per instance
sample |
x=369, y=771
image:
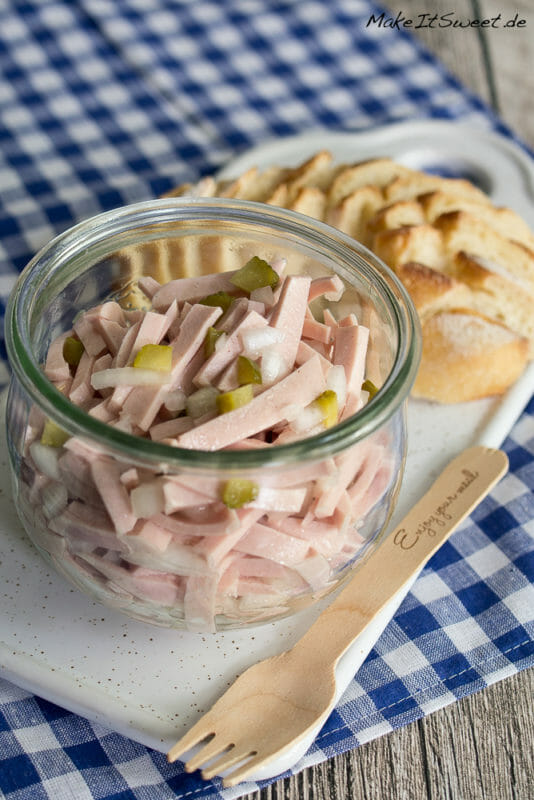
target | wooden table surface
x=482, y=747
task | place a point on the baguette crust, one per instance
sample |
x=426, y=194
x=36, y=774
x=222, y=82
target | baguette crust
x=456, y=345
x=432, y=291
x=468, y=265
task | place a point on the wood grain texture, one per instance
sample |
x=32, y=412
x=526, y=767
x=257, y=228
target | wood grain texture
x=482, y=747
x=494, y=62
x=511, y=60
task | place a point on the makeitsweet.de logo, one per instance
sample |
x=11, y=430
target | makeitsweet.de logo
x=447, y=20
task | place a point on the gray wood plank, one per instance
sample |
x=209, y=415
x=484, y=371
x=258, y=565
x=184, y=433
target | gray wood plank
x=482, y=746
x=510, y=53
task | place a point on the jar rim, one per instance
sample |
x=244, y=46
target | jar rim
x=341, y=247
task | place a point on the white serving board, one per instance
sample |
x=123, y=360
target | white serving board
x=151, y=684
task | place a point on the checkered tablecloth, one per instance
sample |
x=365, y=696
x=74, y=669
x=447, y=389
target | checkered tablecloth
x=106, y=103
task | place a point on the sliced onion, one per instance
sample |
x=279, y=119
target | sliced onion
x=128, y=376
x=273, y=365
x=45, y=459
x=255, y=340
x=292, y=411
x=336, y=380
x=309, y=418
x=203, y=401
x=287, y=500
x=263, y=295
x=175, y=400
x=147, y=499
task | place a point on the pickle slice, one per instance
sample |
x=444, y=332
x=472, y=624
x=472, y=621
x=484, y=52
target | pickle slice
x=221, y=299
x=228, y=401
x=256, y=274
x=368, y=386
x=247, y=371
x=210, y=340
x=53, y=435
x=239, y=491
x=72, y=351
x=327, y=402
x=157, y=357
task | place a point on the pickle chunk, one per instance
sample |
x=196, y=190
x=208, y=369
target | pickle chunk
x=221, y=299
x=72, y=351
x=247, y=371
x=53, y=435
x=239, y=491
x=256, y=274
x=368, y=386
x=210, y=340
x=228, y=401
x=327, y=402
x=157, y=357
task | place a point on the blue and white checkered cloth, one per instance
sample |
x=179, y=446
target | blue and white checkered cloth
x=104, y=104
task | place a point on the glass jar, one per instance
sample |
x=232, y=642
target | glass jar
x=203, y=565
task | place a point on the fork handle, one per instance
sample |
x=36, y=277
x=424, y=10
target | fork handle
x=464, y=482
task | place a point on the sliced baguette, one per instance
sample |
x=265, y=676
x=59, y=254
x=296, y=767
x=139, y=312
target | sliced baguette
x=432, y=291
x=497, y=293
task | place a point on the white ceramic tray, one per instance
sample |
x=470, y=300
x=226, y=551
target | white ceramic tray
x=151, y=684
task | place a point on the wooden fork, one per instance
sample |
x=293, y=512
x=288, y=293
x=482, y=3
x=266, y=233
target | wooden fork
x=276, y=702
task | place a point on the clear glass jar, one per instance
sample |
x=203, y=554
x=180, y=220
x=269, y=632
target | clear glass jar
x=189, y=568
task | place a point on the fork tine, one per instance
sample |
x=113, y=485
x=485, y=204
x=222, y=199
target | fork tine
x=195, y=736
x=243, y=771
x=213, y=748
x=233, y=756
